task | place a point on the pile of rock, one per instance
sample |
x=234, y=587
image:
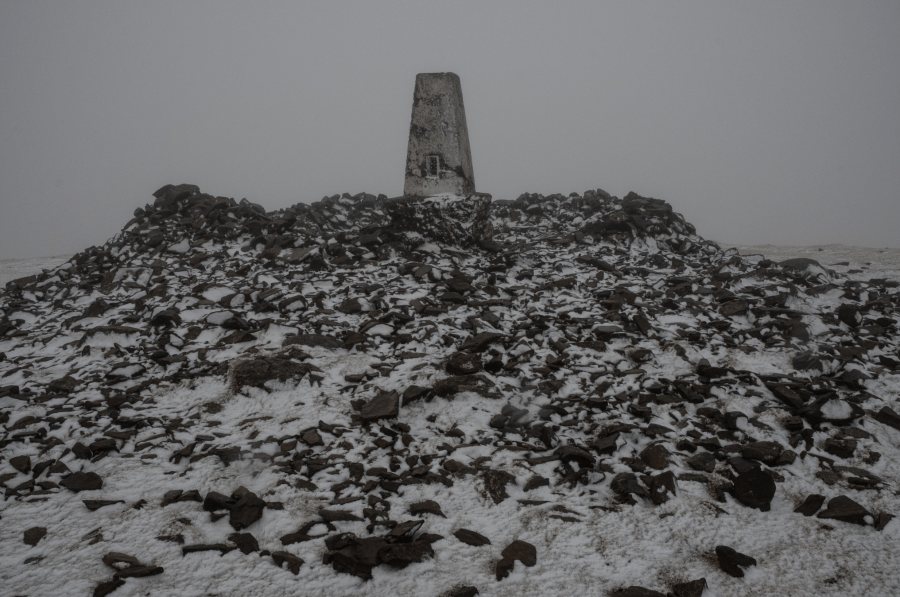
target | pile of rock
x=606, y=351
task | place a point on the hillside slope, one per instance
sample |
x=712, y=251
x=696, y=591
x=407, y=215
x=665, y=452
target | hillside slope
x=596, y=399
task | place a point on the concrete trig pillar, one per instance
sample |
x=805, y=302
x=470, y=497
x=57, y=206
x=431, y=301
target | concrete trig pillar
x=438, y=160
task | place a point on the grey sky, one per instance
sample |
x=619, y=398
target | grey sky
x=761, y=122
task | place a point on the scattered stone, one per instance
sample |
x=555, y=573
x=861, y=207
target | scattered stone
x=691, y=588
x=245, y=542
x=21, y=463
x=426, y=507
x=755, y=489
x=82, y=481
x=383, y=406
x=702, y=461
x=293, y=562
x=464, y=364
x=635, y=591
x=811, y=504
x=846, y=510
x=465, y=591
x=248, y=508
x=655, y=456
x=34, y=535
x=732, y=562
x=495, y=483
x=518, y=550
x=106, y=587
x=471, y=537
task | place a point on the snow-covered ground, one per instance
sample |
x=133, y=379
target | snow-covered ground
x=856, y=263
x=10, y=269
x=586, y=542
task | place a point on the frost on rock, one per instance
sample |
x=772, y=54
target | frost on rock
x=550, y=395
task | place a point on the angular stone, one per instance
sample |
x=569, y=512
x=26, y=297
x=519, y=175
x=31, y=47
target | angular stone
x=732, y=562
x=765, y=451
x=655, y=456
x=887, y=416
x=106, y=587
x=400, y=555
x=21, y=463
x=734, y=307
x=256, y=372
x=840, y=448
x=33, y=535
x=464, y=591
x=114, y=558
x=315, y=340
x=535, y=482
x=755, y=489
x=466, y=383
x=82, y=481
x=283, y=557
x=222, y=548
x=246, y=542
x=63, y=384
x=636, y=591
x=811, y=504
x=574, y=454
x=338, y=516
x=495, y=483
x=464, y=364
x=849, y=314
x=702, y=461
x=605, y=445
x=139, y=571
x=662, y=486
x=426, y=507
x=691, y=588
x=471, y=537
x=480, y=342
x=217, y=501
x=247, y=509
x=846, y=510
x=518, y=550
x=383, y=406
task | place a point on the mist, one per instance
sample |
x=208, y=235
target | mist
x=763, y=122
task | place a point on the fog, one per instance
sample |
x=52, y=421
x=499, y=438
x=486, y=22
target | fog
x=761, y=122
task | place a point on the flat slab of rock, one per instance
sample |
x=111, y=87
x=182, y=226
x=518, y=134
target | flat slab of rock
x=383, y=406
x=471, y=537
x=846, y=510
x=426, y=507
x=82, y=481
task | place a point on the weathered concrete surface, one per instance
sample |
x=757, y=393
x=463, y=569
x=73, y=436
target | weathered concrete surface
x=438, y=160
x=461, y=221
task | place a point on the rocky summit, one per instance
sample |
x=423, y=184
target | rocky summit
x=548, y=396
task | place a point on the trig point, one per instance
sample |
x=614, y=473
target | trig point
x=438, y=160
